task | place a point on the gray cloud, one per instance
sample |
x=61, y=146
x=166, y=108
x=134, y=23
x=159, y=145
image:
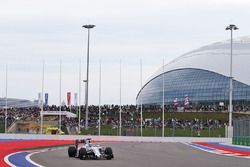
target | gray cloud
x=32, y=31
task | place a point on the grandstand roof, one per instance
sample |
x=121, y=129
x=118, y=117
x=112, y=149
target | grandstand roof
x=64, y=113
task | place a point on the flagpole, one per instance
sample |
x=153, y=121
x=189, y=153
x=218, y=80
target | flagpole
x=163, y=96
x=99, y=119
x=60, y=96
x=70, y=105
x=6, y=100
x=141, y=92
x=120, y=114
x=41, y=114
x=79, y=110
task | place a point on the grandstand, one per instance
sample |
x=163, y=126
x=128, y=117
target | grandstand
x=24, y=116
x=32, y=124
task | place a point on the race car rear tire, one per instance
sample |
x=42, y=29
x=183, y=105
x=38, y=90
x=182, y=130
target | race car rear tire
x=82, y=153
x=109, y=153
x=72, y=151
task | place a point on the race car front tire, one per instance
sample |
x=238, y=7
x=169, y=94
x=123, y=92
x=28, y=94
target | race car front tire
x=109, y=153
x=72, y=151
x=82, y=153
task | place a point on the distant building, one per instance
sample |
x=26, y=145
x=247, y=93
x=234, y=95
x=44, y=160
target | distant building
x=202, y=76
x=18, y=103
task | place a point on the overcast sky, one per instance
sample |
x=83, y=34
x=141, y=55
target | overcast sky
x=130, y=30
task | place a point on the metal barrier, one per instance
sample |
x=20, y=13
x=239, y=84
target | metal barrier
x=114, y=138
x=157, y=132
x=241, y=132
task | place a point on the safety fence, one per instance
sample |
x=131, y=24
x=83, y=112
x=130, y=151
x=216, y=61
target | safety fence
x=241, y=131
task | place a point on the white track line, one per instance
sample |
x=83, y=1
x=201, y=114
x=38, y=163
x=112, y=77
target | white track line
x=27, y=157
x=32, y=162
x=6, y=159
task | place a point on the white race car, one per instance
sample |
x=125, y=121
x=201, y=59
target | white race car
x=89, y=150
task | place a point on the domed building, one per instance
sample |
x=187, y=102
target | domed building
x=202, y=77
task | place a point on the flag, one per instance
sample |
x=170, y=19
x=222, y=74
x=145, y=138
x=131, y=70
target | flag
x=46, y=99
x=75, y=95
x=186, y=100
x=40, y=99
x=69, y=98
x=176, y=102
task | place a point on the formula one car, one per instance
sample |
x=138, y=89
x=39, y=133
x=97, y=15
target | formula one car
x=89, y=150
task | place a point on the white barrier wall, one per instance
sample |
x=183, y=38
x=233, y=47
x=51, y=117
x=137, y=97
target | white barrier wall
x=115, y=138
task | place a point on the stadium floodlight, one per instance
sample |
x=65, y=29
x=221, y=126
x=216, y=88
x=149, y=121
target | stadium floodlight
x=87, y=80
x=231, y=27
x=88, y=26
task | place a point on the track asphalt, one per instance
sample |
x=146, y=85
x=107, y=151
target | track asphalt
x=131, y=154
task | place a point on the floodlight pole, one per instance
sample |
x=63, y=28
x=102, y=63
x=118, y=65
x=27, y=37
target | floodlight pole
x=79, y=110
x=99, y=115
x=231, y=27
x=60, y=97
x=85, y=88
x=163, y=100
x=141, y=93
x=41, y=113
x=120, y=112
x=6, y=100
x=87, y=80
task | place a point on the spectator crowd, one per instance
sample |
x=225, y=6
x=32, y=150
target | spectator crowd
x=110, y=116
